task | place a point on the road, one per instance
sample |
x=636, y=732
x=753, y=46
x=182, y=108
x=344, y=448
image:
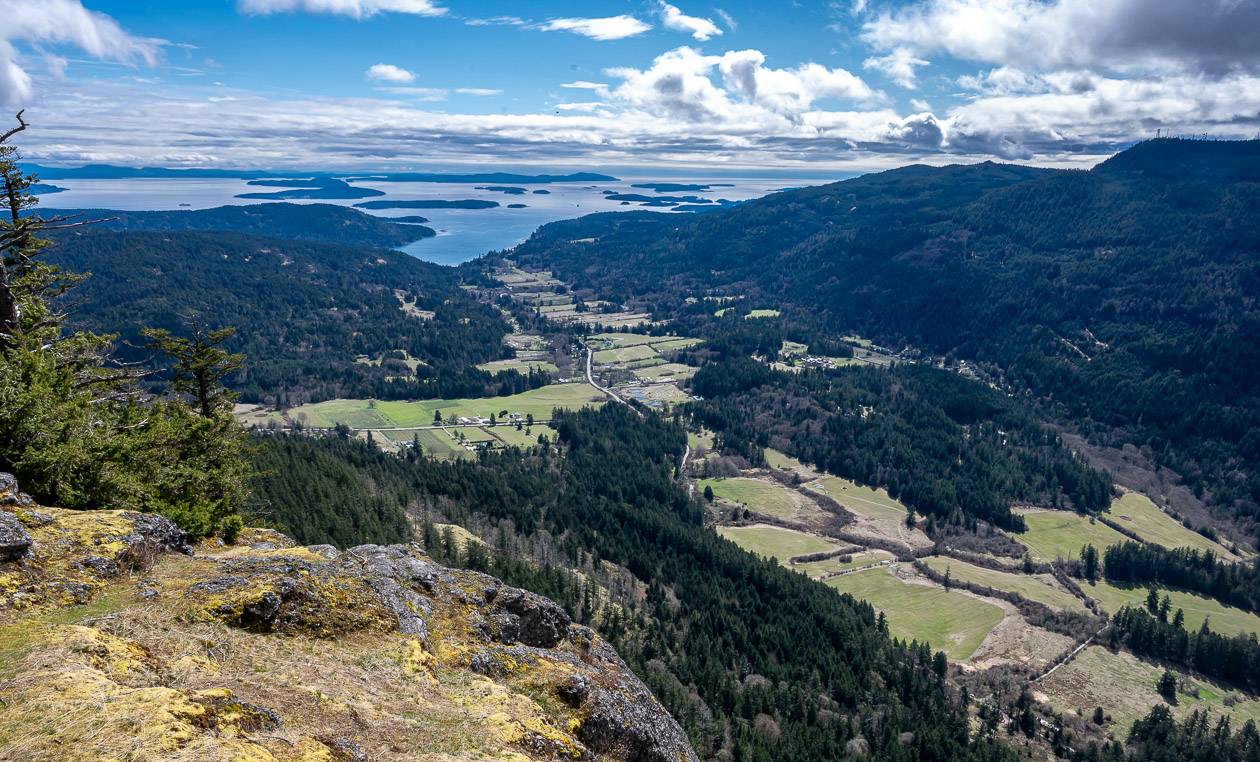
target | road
x=590, y=379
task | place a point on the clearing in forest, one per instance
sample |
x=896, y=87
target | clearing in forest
x=1061, y=534
x=1139, y=515
x=775, y=542
x=757, y=495
x=1039, y=588
x=951, y=621
x=1226, y=620
x=877, y=512
x=1124, y=686
x=524, y=366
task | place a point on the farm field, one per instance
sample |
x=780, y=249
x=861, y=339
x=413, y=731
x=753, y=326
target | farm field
x=674, y=343
x=775, y=542
x=624, y=339
x=784, y=462
x=1226, y=620
x=373, y=414
x=498, y=366
x=1124, y=685
x=951, y=621
x=762, y=314
x=444, y=444
x=1062, y=534
x=624, y=354
x=835, y=564
x=654, y=395
x=670, y=371
x=756, y=495
x=875, y=504
x=1136, y=512
x=1031, y=587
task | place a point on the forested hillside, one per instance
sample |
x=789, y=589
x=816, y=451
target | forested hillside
x=299, y=222
x=755, y=661
x=1122, y=298
x=304, y=311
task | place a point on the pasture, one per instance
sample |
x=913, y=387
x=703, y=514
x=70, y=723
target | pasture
x=836, y=563
x=756, y=495
x=670, y=371
x=1062, y=534
x=1124, y=686
x=1031, y=587
x=875, y=504
x=775, y=542
x=1136, y=512
x=524, y=366
x=377, y=414
x=624, y=354
x=951, y=621
x=762, y=314
x=1226, y=620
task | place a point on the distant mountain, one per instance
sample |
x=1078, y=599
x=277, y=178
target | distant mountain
x=112, y=172
x=44, y=189
x=300, y=222
x=1124, y=298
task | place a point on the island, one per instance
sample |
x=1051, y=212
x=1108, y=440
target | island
x=511, y=190
x=433, y=203
x=314, y=188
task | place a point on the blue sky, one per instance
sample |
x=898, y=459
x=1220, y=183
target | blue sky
x=850, y=85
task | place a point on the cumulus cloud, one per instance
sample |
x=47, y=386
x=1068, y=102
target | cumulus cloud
x=358, y=9
x=1214, y=37
x=899, y=65
x=61, y=22
x=699, y=28
x=389, y=73
x=680, y=84
x=608, y=28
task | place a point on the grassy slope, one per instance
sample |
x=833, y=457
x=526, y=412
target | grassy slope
x=951, y=621
x=1224, y=619
x=775, y=542
x=1136, y=512
x=1061, y=534
x=760, y=496
x=1032, y=588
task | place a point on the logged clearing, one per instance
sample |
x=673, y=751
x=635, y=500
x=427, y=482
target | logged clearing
x=1035, y=588
x=756, y=495
x=951, y=621
x=1124, y=686
x=1061, y=534
x=775, y=542
x=375, y=414
x=1226, y=620
x=838, y=563
x=1136, y=512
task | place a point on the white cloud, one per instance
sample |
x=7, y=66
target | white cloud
x=727, y=19
x=480, y=92
x=1217, y=37
x=680, y=84
x=609, y=28
x=899, y=65
x=586, y=106
x=61, y=22
x=358, y=9
x=389, y=73
x=699, y=28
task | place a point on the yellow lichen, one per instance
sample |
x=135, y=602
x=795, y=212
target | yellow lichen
x=417, y=662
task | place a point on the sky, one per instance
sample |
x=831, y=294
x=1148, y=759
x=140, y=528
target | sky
x=738, y=85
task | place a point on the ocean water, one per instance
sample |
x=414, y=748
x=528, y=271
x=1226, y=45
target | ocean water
x=463, y=234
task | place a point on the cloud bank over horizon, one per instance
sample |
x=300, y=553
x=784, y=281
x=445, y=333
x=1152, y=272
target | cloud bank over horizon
x=1055, y=82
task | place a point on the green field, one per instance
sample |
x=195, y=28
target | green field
x=623, y=339
x=1032, y=588
x=665, y=372
x=444, y=444
x=1226, y=620
x=624, y=354
x=775, y=542
x=1062, y=534
x=875, y=504
x=835, y=564
x=766, y=497
x=701, y=439
x=762, y=314
x=1137, y=513
x=498, y=366
x=665, y=346
x=1125, y=687
x=783, y=461
x=951, y=621
x=368, y=414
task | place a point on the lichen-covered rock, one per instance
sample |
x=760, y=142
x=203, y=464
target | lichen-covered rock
x=15, y=541
x=270, y=651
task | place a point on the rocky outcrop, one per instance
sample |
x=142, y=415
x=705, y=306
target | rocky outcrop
x=120, y=643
